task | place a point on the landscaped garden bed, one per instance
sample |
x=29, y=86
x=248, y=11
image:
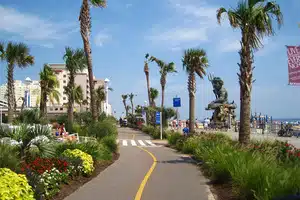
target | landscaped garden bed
x=260, y=170
x=34, y=165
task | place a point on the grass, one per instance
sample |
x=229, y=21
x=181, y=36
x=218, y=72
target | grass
x=259, y=171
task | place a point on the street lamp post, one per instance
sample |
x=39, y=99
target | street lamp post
x=106, y=81
x=27, y=82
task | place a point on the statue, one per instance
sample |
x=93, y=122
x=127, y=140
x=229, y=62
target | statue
x=223, y=115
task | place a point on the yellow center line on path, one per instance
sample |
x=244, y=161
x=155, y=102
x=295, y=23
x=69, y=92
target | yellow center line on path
x=139, y=193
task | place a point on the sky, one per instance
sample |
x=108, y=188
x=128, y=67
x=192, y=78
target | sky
x=126, y=30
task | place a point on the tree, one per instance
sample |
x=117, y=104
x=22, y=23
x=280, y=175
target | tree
x=254, y=19
x=85, y=30
x=75, y=62
x=124, y=99
x=194, y=61
x=146, y=71
x=131, y=96
x=14, y=54
x=48, y=83
x=153, y=95
x=23, y=103
x=100, y=97
x=165, y=69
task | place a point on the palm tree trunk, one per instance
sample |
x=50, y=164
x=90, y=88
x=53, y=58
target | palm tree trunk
x=10, y=92
x=85, y=24
x=132, y=109
x=245, y=79
x=125, y=106
x=148, y=89
x=162, y=96
x=70, y=115
x=71, y=86
x=192, y=91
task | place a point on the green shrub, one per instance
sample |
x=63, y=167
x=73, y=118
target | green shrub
x=255, y=174
x=97, y=150
x=173, y=137
x=110, y=142
x=190, y=145
x=9, y=157
x=14, y=186
x=148, y=129
x=87, y=160
x=102, y=129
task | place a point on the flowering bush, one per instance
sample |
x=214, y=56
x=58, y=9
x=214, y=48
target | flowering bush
x=14, y=186
x=87, y=160
x=40, y=165
x=50, y=181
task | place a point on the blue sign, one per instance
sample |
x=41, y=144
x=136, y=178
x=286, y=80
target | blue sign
x=157, y=118
x=176, y=102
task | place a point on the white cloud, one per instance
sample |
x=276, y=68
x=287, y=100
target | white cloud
x=177, y=36
x=30, y=27
x=227, y=45
x=190, y=23
x=128, y=5
x=102, y=38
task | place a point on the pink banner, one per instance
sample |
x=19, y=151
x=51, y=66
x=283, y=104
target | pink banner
x=294, y=64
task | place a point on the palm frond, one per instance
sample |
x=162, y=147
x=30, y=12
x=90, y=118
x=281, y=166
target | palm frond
x=98, y=3
x=220, y=11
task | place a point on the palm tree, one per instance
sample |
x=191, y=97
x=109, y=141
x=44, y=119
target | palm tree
x=146, y=71
x=194, y=62
x=75, y=62
x=48, y=83
x=100, y=95
x=15, y=54
x=254, y=19
x=23, y=103
x=153, y=95
x=164, y=70
x=78, y=95
x=124, y=99
x=85, y=30
x=131, y=96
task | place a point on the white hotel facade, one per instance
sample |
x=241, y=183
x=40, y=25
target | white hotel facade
x=62, y=74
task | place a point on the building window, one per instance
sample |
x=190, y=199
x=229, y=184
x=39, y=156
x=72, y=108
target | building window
x=51, y=109
x=65, y=76
x=61, y=109
x=56, y=108
x=65, y=81
x=64, y=98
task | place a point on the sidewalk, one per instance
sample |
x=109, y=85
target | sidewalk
x=292, y=140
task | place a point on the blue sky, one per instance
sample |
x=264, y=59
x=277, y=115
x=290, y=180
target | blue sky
x=124, y=31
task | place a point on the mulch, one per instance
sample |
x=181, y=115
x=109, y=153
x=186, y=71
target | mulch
x=79, y=181
x=222, y=191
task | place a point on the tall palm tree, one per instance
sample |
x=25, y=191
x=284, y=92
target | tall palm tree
x=75, y=62
x=48, y=83
x=124, y=99
x=165, y=68
x=146, y=71
x=254, y=19
x=100, y=95
x=15, y=54
x=131, y=96
x=194, y=61
x=85, y=30
x=153, y=95
x=78, y=95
